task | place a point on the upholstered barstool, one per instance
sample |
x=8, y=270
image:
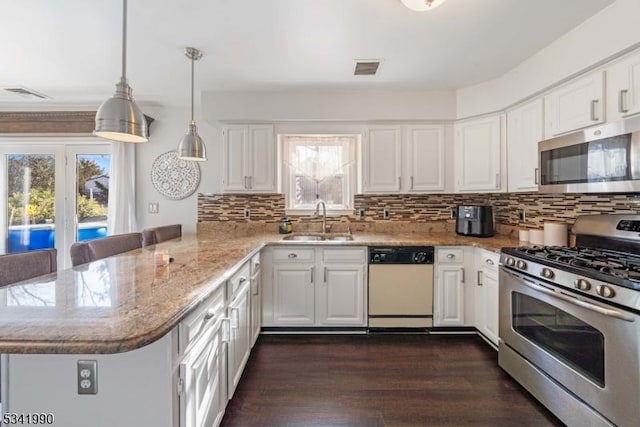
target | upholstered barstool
x=26, y=265
x=151, y=236
x=93, y=250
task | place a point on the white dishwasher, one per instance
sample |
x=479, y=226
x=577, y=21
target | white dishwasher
x=400, y=287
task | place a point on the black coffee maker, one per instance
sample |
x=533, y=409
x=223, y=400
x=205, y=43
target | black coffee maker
x=474, y=221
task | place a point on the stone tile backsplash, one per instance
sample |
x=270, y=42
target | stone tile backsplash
x=420, y=208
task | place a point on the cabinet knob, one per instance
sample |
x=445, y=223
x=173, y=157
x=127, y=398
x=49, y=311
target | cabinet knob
x=489, y=261
x=210, y=314
x=293, y=255
x=450, y=256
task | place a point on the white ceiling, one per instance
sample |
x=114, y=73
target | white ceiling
x=70, y=50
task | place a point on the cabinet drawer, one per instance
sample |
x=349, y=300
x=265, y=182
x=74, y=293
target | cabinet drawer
x=198, y=321
x=346, y=255
x=489, y=260
x=238, y=279
x=294, y=254
x=450, y=255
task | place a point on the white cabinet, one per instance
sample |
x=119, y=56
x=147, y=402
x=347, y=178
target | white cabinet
x=382, y=160
x=256, y=298
x=340, y=296
x=311, y=287
x=239, y=314
x=203, y=369
x=487, y=309
x=452, y=294
x=524, y=131
x=576, y=105
x=425, y=158
x=249, y=158
x=623, y=88
x=405, y=159
x=480, y=154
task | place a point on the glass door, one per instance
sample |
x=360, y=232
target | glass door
x=52, y=195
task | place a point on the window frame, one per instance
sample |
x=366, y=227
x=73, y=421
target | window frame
x=287, y=180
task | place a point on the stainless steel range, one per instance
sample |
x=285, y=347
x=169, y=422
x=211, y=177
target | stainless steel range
x=570, y=322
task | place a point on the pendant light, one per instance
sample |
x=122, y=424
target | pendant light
x=422, y=5
x=119, y=118
x=191, y=146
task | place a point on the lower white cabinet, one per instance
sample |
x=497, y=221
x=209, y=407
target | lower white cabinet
x=452, y=291
x=487, y=294
x=314, y=286
x=202, y=376
x=256, y=298
x=239, y=313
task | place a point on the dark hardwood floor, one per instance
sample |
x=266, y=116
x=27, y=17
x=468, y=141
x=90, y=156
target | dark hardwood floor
x=379, y=380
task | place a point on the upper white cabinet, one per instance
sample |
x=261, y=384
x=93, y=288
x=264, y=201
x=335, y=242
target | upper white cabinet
x=524, y=131
x=405, y=159
x=623, y=88
x=382, y=160
x=249, y=158
x=480, y=154
x=576, y=105
x=425, y=158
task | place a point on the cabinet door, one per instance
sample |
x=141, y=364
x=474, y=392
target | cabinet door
x=489, y=325
x=234, y=158
x=340, y=296
x=293, y=295
x=262, y=158
x=382, y=160
x=239, y=341
x=256, y=307
x=524, y=131
x=576, y=105
x=623, y=88
x=449, y=296
x=425, y=158
x=201, y=402
x=478, y=154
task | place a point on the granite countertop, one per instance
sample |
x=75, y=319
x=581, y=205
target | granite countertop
x=125, y=302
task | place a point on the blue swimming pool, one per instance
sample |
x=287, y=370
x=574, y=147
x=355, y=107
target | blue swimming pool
x=42, y=236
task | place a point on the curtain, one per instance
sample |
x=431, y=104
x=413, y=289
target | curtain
x=121, y=216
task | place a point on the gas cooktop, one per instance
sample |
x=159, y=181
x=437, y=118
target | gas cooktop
x=620, y=268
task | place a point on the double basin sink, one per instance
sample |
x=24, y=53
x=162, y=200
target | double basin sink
x=319, y=237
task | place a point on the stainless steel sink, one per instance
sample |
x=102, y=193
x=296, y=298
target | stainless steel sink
x=318, y=237
x=304, y=237
x=344, y=238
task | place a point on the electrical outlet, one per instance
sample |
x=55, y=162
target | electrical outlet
x=521, y=215
x=247, y=213
x=386, y=213
x=87, y=377
x=361, y=214
x=154, y=207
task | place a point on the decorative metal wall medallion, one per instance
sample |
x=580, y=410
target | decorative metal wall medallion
x=173, y=177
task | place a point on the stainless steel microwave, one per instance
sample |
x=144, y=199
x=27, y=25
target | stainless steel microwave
x=600, y=159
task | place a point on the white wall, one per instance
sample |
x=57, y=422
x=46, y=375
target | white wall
x=613, y=30
x=331, y=105
x=170, y=125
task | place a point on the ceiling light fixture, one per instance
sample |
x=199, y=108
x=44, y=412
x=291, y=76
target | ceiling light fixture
x=119, y=118
x=422, y=5
x=191, y=146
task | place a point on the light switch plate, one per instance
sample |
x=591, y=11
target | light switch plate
x=87, y=377
x=386, y=213
x=361, y=214
x=247, y=213
x=154, y=207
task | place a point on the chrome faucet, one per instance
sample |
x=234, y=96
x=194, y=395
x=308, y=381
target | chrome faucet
x=324, y=214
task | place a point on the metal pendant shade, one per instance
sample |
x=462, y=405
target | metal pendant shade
x=119, y=118
x=191, y=146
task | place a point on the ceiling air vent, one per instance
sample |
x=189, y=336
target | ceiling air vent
x=26, y=93
x=366, y=67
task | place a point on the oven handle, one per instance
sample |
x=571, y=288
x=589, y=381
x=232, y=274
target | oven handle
x=580, y=303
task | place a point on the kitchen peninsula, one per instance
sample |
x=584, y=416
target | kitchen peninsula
x=132, y=317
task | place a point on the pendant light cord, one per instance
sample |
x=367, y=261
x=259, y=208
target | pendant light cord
x=124, y=40
x=192, y=79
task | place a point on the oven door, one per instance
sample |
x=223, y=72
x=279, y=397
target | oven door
x=589, y=348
